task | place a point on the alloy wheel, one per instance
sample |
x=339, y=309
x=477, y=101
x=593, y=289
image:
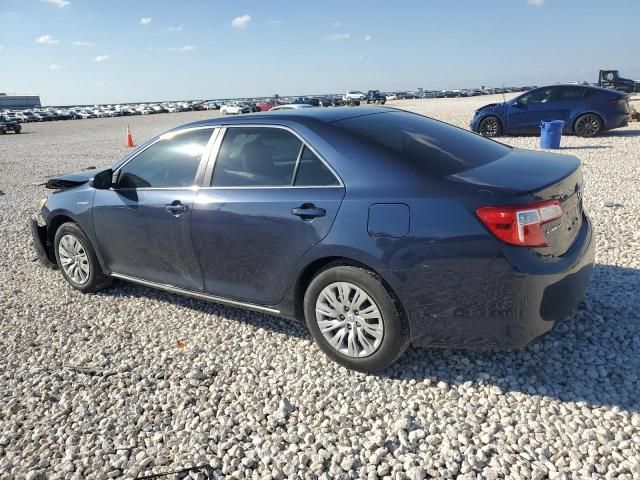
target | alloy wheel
x=588, y=126
x=349, y=320
x=74, y=259
x=489, y=127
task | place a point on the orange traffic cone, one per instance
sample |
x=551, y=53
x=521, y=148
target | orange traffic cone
x=129, y=138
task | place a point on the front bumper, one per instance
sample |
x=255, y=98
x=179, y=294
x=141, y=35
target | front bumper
x=41, y=243
x=503, y=307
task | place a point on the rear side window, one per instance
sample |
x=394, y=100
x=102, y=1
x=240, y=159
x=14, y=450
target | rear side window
x=256, y=156
x=168, y=163
x=313, y=173
x=426, y=144
x=563, y=94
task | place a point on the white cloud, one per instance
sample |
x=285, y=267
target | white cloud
x=337, y=24
x=361, y=58
x=367, y=38
x=241, y=22
x=53, y=66
x=535, y=3
x=84, y=44
x=186, y=48
x=275, y=23
x=338, y=36
x=177, y=28
x=101, y=58
x=100, y=84
x=57, y=3
x=47, y=39
x=145, y=20
x=1, y=47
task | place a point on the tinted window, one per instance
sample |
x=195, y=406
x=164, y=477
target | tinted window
x=563, y=94
x=435, y=147
x=172, y=162
x=542, y=95
x=312, y=172
x=255, y=156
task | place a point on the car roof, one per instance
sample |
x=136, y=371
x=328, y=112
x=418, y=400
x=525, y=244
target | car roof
x=326, y=115
x=591, y=87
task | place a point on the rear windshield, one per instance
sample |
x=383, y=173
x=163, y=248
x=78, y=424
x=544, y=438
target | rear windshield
x=432, y=146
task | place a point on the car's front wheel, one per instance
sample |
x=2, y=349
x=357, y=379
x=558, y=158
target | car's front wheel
x=588, y=125
x=355, y=319
x=77, y=260
x=490, y=127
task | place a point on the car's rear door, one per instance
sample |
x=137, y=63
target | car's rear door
x=271, y=198
x=143, y=224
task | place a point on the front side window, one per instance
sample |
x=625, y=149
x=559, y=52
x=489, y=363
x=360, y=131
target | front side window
x=256, y=156
x=169, y=163
x=541, y=95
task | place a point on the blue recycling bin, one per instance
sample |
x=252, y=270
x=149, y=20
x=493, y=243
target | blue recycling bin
x=551, y=133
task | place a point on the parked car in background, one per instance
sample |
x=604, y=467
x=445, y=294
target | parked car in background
x=398, y=230
x=354, y=95
x=8, y=125
x=234, y=109
x=586, y=111
x=374, y=96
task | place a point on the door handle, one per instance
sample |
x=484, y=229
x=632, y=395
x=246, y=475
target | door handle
x=176, y=208
x=308, y=211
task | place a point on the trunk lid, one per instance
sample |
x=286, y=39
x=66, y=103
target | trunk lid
x=523, y=177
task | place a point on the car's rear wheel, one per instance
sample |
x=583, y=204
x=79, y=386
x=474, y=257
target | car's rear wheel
x=77, y=259
x=588, y=125
x=355, y=319
x=490, y=127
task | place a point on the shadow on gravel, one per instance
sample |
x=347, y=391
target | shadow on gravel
x=621, y=133
x=592, y=356
x=588, y=147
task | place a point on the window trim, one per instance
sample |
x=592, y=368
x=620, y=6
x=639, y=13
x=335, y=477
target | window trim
x=208, y=176
x=200, y=172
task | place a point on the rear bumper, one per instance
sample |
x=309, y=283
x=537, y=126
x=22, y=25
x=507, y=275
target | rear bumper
x=40, y=243
x=505, y=307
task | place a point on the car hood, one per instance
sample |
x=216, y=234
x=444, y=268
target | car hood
x=493, y=107
x=520, y=171
x=72, y=180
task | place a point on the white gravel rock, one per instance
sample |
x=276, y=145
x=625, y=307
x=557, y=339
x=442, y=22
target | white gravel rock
x=97, y=386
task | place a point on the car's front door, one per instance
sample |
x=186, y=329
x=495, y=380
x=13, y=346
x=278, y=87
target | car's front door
x=271, y=198
x=525, y=114
x=142, y=224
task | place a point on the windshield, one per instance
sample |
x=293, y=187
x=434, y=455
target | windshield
x=432, y=146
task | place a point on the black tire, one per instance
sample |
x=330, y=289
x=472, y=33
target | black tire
x=2, y=131
x=490, y=126
x=588, y=125
x=395, y=337
x=96, y=280
x=382, y=102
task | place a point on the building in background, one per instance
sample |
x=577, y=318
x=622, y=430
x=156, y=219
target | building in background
x=19, y=102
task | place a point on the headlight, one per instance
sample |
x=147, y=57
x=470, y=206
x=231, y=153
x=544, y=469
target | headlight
x=42, y=203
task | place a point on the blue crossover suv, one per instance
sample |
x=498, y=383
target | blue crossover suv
x=586, y=111
x=375, y=227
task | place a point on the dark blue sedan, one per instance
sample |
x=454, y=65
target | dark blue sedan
x=375, y=227
x=586, y=111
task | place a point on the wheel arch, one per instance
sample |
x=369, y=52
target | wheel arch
x=590, y=112
x=309, y=272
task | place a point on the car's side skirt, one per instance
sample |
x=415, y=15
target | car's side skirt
x=191, y=293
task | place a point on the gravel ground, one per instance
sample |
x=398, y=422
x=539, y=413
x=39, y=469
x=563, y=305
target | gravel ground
x=133, y=381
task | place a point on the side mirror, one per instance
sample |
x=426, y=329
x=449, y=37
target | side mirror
x=103, y=180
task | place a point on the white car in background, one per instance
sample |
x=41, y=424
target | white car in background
x=354, y=95
x=233, y=109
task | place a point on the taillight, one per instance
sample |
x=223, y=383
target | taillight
x=520, y=224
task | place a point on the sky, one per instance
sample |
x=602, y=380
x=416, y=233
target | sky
x=116, y=51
